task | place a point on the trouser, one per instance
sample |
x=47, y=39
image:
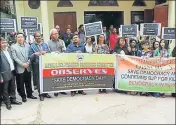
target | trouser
x=36, y=75
x=1, y=92
x=9, y=89
x=24, y=79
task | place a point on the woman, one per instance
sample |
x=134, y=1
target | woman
x=155, y=46
x=121, y=46
x=102, y=48
x=90, y=47
x=163, y=52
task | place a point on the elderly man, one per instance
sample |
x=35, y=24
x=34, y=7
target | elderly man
x=20, y=53
x=7, y=76
x=37, y=49
x=76, y=47
x=56, y=45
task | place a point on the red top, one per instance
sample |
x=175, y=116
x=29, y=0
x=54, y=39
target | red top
x=112, y=40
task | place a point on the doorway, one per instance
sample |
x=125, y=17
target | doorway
x=63, y=19
x=115, y=18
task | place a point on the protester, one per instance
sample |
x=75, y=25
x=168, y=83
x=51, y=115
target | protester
x=59, y=32
x=82, y=34
x=20, y=53
x=174, y=55
x=121, y=46
x=146, y=53
x=106, y=35
x=102, y=48
x=154, y=47
x=7, y=75
x=134, y=48
x=76, y=47
x=56, y=45
x=163, y=52
x=68, y=37
x=11, y=38
x=37, y=49
x=111, y=29
x=113, y=39
x=90, y=46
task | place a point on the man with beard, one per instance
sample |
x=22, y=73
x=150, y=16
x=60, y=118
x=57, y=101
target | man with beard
x=76, y=47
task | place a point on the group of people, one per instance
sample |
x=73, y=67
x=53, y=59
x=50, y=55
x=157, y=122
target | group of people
x=20, y=59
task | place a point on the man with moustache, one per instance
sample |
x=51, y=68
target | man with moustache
x=56, y=45
x=20, y=54
x=76, y=47
x=37, y=49
x=7, y=80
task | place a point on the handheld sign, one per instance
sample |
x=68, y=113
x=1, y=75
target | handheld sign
x=7, y=25
x=168, y=33
x=92, y=29
x=129, y=30
x=32, y=31
x=29, y=22
x=150, y=29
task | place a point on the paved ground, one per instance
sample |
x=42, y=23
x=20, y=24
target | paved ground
x=95, y=108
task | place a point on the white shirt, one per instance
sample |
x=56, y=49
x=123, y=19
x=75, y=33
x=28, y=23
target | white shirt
x=88, y=48
x=9, y=59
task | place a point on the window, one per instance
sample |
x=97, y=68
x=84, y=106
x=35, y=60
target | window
x=64, y=3
x=103, y=3
x=137, y=17
x=139, y=3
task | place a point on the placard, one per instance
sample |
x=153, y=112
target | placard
x=168, y=33
x=150, y=29
x=92, y=29
x=29, y=22
x=32, y=31
x=7, y=25
x=129, y=30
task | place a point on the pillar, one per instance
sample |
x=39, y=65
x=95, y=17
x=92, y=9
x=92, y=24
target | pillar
x=44, y=19
x=171, y=19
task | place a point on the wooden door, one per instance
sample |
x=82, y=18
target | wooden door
x=148, y=15
x=161, y=15
x=63, y=19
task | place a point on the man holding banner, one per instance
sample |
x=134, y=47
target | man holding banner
x=76, y=47
x=37, y=49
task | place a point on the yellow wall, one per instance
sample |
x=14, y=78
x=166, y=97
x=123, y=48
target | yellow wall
x=79, y=7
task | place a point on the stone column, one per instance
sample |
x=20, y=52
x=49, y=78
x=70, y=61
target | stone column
x=171, y=19
x=44, y=19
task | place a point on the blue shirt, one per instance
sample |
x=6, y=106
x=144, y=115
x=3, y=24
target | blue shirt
x=72, y=48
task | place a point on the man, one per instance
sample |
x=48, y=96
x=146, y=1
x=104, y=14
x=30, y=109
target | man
x=68, y=37
x=7, y=76
x=76, y=47
x=106, y=35
x=113, y=39
x=82, y=34
x=59, y=32
x=20, y=53
x=111, y=29
x=37, y=49
x=56, y=45
x=11, y=38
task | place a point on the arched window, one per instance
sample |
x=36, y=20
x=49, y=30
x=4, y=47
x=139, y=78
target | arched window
x=34, y=4
x=64, y=3
x=103, y=3
x=139, y=3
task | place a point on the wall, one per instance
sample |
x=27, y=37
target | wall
x=22, y=9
